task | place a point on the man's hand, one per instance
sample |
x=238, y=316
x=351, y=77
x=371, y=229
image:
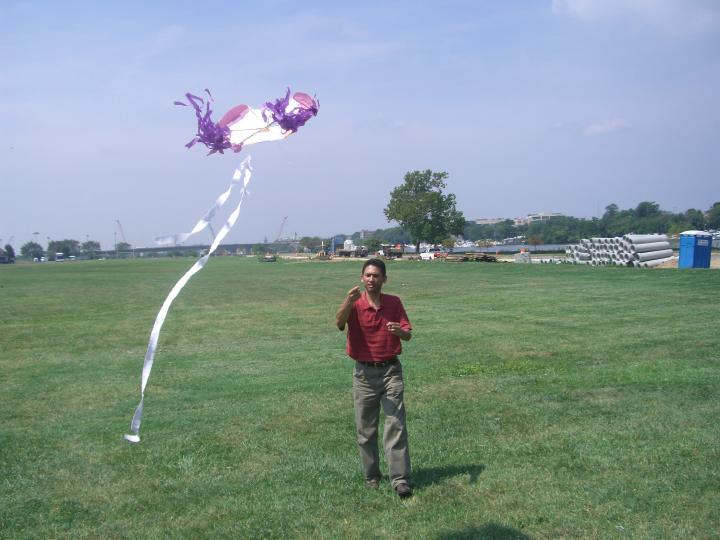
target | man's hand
x=343, y=313
x=354, y=294
x=396, y=330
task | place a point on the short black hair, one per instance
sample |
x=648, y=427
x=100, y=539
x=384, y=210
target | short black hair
x=375, y=262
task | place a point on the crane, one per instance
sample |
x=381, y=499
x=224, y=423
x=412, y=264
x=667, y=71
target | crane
x=122, y=235
x=122, y=232
x=282, y=226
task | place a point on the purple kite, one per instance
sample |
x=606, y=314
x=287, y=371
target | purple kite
x=243, y=125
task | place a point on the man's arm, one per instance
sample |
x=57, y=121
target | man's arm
x=401, y=326
x=343, y=312
x=397, y=330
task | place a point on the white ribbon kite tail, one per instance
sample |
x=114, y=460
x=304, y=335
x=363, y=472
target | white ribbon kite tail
x=179, y=238
x=245, y=172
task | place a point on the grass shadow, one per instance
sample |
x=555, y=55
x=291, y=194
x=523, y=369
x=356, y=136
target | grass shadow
x=434, y=475
x=491, y=531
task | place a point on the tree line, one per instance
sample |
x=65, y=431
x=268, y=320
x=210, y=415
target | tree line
x=646, y=218
x=425, y=213
x=68, y=247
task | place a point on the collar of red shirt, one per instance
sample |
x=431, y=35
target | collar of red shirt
x=363, y=303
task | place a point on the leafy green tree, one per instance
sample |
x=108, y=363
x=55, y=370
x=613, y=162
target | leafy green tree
x=678, y=227
x=258, y=249
x=611, y=210
x=695, y=218
x=315, y=243
x=649, y=218
x=616, y=222
x=9, y=251
x=373, y=244
x=535, y=239
x=393, y=235
x=32, y=250
x=647, y=209
x=448, y=243
x=90, y=248
x=712, y=220
x=67, y=247
x=423, y=210
x=492, y=233
x=306, y=242
x=505, y=229
x=123, y=246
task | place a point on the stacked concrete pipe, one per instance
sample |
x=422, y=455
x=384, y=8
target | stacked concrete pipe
x=640, y=250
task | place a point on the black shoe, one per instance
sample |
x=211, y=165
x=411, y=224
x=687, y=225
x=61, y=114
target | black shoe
x=403, y=490
x=373, y=483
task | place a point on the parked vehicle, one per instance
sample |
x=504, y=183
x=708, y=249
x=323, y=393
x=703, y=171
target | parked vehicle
x=433, y=253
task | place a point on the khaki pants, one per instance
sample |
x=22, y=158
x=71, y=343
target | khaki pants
x=373, y=386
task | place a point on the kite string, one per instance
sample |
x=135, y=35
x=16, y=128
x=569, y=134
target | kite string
x=244, y=173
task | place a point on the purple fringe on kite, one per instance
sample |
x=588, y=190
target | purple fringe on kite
x=290, y=121
x=215, y=137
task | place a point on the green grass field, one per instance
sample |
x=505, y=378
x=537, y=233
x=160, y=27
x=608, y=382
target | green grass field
x=543, y=402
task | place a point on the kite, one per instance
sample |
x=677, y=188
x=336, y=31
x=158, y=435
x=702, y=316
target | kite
x=243, y=125
x=240, y=126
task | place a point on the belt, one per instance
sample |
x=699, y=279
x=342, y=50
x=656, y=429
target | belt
x=384, y=363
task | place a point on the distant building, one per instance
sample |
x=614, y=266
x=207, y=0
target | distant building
x=488, y=221
x=533, y=218
x=542, y=216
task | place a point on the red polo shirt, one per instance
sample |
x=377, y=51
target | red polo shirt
x=368, y=338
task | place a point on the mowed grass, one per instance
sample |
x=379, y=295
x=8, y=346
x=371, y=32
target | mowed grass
x=543, y=402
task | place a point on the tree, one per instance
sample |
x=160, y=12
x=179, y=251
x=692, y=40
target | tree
x=373, y=244
x=67, y=247
x=448, y=243
x=421, y=208
x=695, y=218
x=90, y=248
x=123, y=246
x=647, y=209
x=9, y=251
x=535, y=240
x=616, y=222
x=712, y=220
x=314, y=243
x=393, y=235
x=31, y=250
x=610, y=210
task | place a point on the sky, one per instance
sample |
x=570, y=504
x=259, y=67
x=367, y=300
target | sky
x=529, y=106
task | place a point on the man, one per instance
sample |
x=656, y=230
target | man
x=376, y=323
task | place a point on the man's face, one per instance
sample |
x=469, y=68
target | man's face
x=373, y=279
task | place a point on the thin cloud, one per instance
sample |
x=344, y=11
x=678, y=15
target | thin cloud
x=675, y=17
x=606, y=126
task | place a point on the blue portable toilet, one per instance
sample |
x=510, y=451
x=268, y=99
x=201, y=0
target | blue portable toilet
x=695, y=249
